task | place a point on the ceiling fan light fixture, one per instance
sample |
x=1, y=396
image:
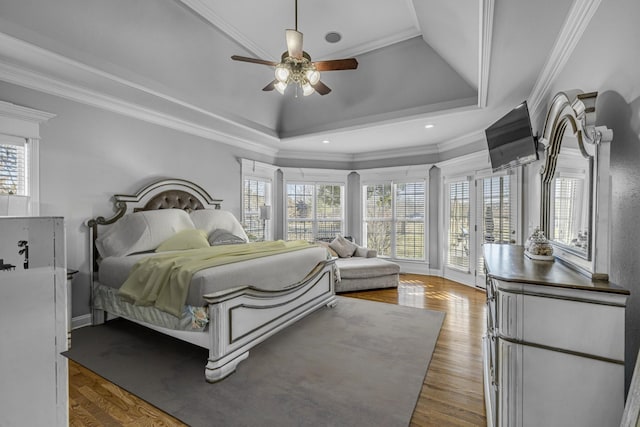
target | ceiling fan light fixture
x=282, y=73
x=307, y=89
x=280, y=87
x=313, y=76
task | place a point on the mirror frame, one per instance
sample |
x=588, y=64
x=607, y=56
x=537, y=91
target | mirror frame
x=577, y=110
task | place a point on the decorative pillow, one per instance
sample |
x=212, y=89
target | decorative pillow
x=185, y=239
x=343, y=247
x=142, y=231
x=223, y=237
x=210, y=220
x=326, y=245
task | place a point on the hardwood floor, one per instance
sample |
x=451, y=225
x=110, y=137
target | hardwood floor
x=452, y=393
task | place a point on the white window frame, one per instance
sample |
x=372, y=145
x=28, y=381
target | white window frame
x=394, y=217
x=19, y=123
x=314, y=220
x=399, y=174
x=258, y=171
x=312, y=176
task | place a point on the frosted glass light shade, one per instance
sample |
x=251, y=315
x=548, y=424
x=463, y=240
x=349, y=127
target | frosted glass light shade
x=313, y=76
x=282, y=73
x=307, y=89
x=280, y=87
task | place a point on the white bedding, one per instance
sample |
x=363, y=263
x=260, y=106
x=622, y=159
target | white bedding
x=269, y=273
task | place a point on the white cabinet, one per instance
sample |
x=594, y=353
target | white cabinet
x=33, y=322
x=554, y=349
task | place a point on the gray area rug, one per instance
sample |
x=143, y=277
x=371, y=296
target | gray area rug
x=361, y=363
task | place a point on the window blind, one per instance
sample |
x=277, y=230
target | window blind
x=458, y=233
x=256, y=193
x=13, y=170
x=314, y=211
x=410, y=216
x=495, y=213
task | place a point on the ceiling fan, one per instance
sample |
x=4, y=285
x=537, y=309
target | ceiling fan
x=296, y=67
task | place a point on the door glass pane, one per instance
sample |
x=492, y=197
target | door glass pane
x=458, y=234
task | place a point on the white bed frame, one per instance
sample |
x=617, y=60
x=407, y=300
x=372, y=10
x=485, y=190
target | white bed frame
x=240, y=317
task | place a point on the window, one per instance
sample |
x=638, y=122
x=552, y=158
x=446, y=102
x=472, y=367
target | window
x=256, y=198
x=458, y=230
x=13, y=171
x=19, y=167
x=394, y=219
x=314, y=211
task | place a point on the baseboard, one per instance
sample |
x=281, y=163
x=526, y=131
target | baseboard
x=81, y=321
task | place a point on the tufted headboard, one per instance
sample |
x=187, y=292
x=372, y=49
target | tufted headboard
x=173, y=199
x=164, y=194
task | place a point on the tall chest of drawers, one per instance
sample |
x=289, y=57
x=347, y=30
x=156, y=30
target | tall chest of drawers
x=554, y=349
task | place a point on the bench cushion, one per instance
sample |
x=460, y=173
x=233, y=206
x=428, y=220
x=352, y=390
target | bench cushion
x=364, y=268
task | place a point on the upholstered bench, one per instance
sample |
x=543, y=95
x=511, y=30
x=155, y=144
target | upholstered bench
x=358, y=273
x=360, y=268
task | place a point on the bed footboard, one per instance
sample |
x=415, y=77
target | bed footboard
x=243, y=317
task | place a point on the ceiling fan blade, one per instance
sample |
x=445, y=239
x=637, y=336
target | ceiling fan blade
x=254, y=60
x=336, y=64
x=270, y=86
x=321, y=88
x=294, y=43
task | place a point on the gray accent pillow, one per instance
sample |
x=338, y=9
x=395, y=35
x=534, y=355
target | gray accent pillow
x=343, y=247
x=223, y=237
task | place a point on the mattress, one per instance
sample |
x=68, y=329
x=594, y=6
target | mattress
x=270, y=273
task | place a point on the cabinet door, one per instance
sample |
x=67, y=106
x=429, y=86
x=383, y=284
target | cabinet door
x=27, y=354
x=561, y=389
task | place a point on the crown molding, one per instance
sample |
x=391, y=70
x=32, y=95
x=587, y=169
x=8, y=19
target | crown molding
x=19, y=112
x=26, y=78
x=315, y=155
x=464, y=164
x=23, y=75
x=484, y=55
x=422, y=150
x=578, y=19
x=461, y=141
x=204, y=10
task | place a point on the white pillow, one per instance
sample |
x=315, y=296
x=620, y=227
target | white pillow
x=343, y=247
x=210, y=220
x=142, y=231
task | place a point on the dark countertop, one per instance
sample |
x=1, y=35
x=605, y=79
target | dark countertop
x=509, y=263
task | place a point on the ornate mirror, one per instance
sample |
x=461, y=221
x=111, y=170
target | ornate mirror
x=575, y=183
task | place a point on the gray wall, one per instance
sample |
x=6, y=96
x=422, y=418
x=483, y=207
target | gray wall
x=87, y=155
x=607, y=60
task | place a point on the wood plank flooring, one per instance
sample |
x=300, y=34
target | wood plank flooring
x=452, y=393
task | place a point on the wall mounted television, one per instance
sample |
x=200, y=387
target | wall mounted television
x=511, y=141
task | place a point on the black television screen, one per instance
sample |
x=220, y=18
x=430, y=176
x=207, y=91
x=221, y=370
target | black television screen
x=511, y=141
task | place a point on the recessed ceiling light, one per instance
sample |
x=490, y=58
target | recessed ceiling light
x=325, y=141
x=333, y=37
x=429, y=126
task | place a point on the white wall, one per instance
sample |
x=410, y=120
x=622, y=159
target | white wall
x=607, y=60
x=87, y=155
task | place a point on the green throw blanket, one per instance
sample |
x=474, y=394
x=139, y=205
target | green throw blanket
x=163, y=280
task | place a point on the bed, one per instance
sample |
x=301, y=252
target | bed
x=227, y=308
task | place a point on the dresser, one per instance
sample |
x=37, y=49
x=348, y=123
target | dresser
x=33, y=322
x=553, y=354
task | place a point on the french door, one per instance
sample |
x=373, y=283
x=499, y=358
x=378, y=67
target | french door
x=496, y=216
